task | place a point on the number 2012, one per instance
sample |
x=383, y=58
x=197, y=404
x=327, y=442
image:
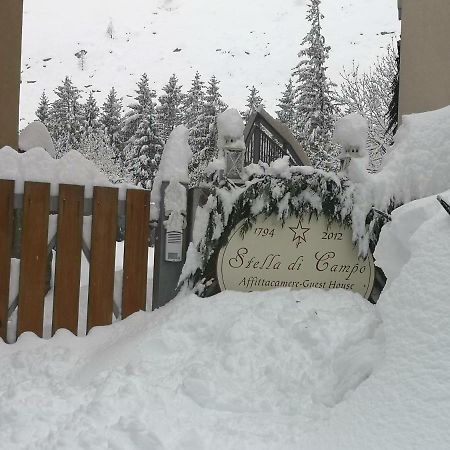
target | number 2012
x=331, y=236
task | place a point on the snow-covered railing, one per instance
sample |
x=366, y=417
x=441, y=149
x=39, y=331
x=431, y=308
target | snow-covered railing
x=72, y=235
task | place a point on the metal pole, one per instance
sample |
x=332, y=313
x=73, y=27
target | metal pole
x=11, y=14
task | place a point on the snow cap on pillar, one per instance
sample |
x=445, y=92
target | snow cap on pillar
x=174, y=165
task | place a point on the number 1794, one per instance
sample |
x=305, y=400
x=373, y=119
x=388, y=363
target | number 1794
x=265, y=232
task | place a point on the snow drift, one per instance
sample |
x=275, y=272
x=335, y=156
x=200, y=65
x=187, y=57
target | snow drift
x=418, y=164
x=273, y=370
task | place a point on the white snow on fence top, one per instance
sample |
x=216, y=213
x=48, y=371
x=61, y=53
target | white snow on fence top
x=36, y=135
x=37, y=165
x=418, y=164
x=174, y=165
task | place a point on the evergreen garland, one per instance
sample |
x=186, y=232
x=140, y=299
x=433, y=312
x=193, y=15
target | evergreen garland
x=268, y=195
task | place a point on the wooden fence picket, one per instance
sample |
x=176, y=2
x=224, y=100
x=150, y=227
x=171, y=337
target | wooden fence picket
x=6, y=237
x=103, y=250
x=136, y=252
x=34, y=207
x=33, y=258
x=68, y=258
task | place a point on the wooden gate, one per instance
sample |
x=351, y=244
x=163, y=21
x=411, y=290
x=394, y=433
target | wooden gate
x=37, y=242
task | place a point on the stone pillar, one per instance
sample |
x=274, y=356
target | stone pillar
x=11, y=12
x=165, y=274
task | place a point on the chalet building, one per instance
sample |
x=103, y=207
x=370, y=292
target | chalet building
x=267, y=139
x=424, y=55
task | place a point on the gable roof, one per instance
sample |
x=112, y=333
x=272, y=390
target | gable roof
x=292, y=146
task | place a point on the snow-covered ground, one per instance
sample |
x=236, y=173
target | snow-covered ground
x=244, y=43
x=273, y=370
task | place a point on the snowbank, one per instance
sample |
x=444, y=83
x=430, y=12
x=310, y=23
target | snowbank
x=37, y=165
x=418, y=164
x=235, y=371
x=274, y=370
x=406, y=403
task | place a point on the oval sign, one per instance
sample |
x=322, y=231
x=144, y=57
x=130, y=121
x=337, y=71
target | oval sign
x=305, y=253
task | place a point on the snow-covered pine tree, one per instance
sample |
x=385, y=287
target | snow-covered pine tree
x=143, y=146
x=111, y=120
x=253, y=101
x=287, y=111
x=43, y=110
x=193, y=105
x=91, y=114
x=66, y=117
x=193, y=102
x=169, y=110
x=314, y=97
x=94, y=146
x=94, y=142
x=213, y=106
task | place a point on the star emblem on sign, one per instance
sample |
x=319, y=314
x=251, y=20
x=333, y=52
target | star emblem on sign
x=299, y=233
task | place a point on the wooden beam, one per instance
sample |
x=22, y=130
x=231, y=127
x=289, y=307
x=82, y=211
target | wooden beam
x=33, y=258
x=68, y=258
x=11, y=13
x=103, y=253
x=6, y=239
x=136, y=252
x=257, y=145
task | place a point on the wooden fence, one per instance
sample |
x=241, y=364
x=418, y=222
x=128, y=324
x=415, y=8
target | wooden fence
x=71, y=206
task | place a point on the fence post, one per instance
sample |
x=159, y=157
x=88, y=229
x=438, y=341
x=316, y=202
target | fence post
x=103, y=252
x=11, y=12
x=135, y=260
x=68, y=258
x=166, y=274
x=33, y=258
x=6, y=235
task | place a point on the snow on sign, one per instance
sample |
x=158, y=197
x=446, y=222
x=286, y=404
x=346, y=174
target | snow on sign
x=305, y=253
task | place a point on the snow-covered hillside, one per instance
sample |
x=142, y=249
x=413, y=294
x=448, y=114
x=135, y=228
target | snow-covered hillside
x=242, y=42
